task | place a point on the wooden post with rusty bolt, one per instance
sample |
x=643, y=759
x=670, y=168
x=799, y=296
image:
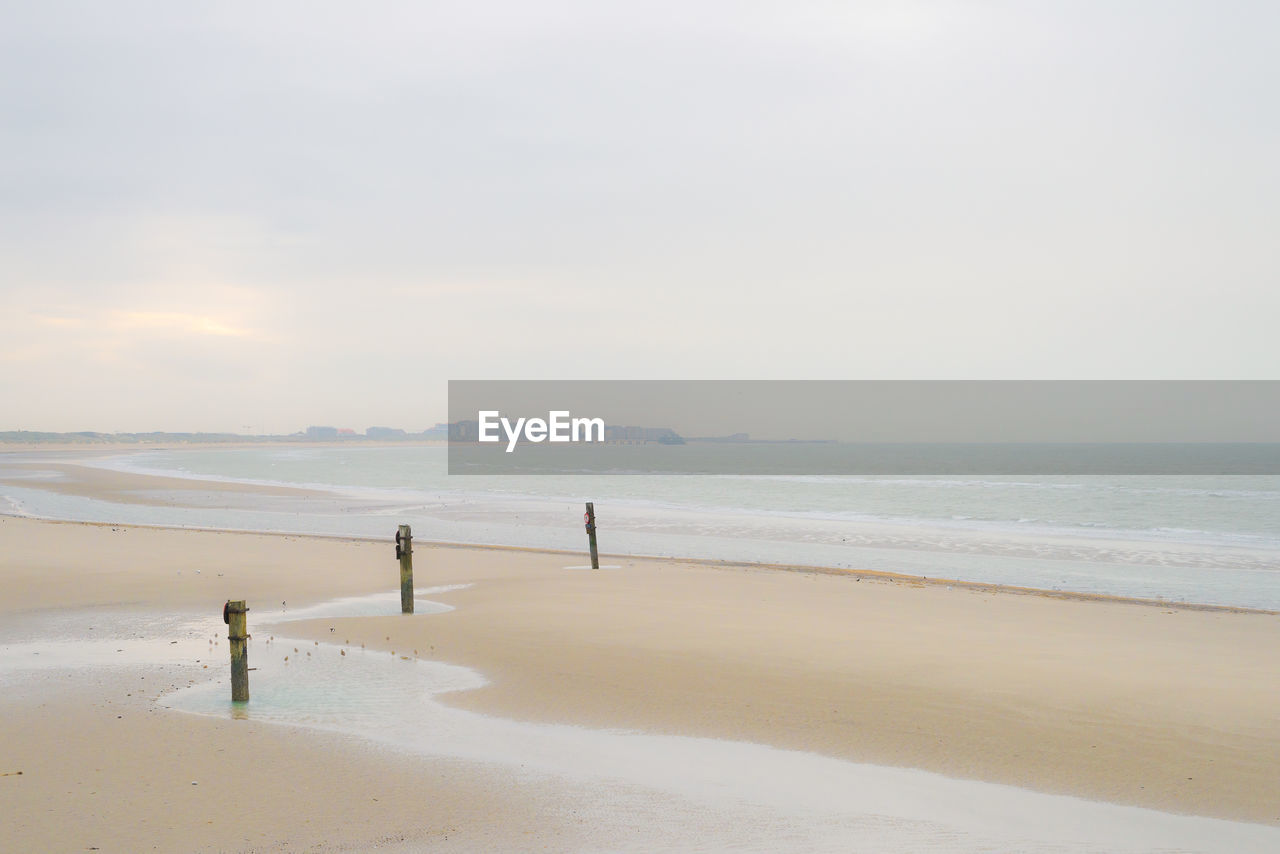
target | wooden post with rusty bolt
x=404, y=551
x=233, y=614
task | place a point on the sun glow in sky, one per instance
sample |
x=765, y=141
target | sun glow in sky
x=287, y=213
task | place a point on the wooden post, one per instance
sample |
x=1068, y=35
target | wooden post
x=234, y=615
x=591, y=534
x=404, y=551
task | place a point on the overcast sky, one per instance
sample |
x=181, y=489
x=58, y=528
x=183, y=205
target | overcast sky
x=259, y=216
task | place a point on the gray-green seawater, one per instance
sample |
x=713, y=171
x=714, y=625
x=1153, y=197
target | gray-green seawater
x=1209, y=539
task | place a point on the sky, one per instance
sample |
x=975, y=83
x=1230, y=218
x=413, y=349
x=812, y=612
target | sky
x=254, y=217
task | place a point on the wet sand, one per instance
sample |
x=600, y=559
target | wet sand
x=103, y=767
x=1159, y=707
x=1163, y=707
x=74, y=477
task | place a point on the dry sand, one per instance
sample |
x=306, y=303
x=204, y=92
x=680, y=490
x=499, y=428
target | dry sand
x=1163, y=707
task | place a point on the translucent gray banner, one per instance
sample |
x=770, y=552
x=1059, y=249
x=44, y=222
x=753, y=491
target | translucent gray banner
x=780, y=427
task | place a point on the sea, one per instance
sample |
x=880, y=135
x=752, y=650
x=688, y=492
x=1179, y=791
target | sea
x=1199, y=539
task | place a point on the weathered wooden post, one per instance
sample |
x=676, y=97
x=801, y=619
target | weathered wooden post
x=404, y=551
x=590, y=517
x=233, y=614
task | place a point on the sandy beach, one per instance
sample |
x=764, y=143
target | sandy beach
x=1159, y=707
x=914, y=365
x=1140, y=704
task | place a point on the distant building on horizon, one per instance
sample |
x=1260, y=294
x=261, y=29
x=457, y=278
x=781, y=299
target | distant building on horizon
x=464, y=431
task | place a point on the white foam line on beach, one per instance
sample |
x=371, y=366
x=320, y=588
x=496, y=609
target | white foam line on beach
x=405, y=498
x=15, y=508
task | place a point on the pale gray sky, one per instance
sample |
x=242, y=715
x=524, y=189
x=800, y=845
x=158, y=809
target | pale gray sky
x=268, y=215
